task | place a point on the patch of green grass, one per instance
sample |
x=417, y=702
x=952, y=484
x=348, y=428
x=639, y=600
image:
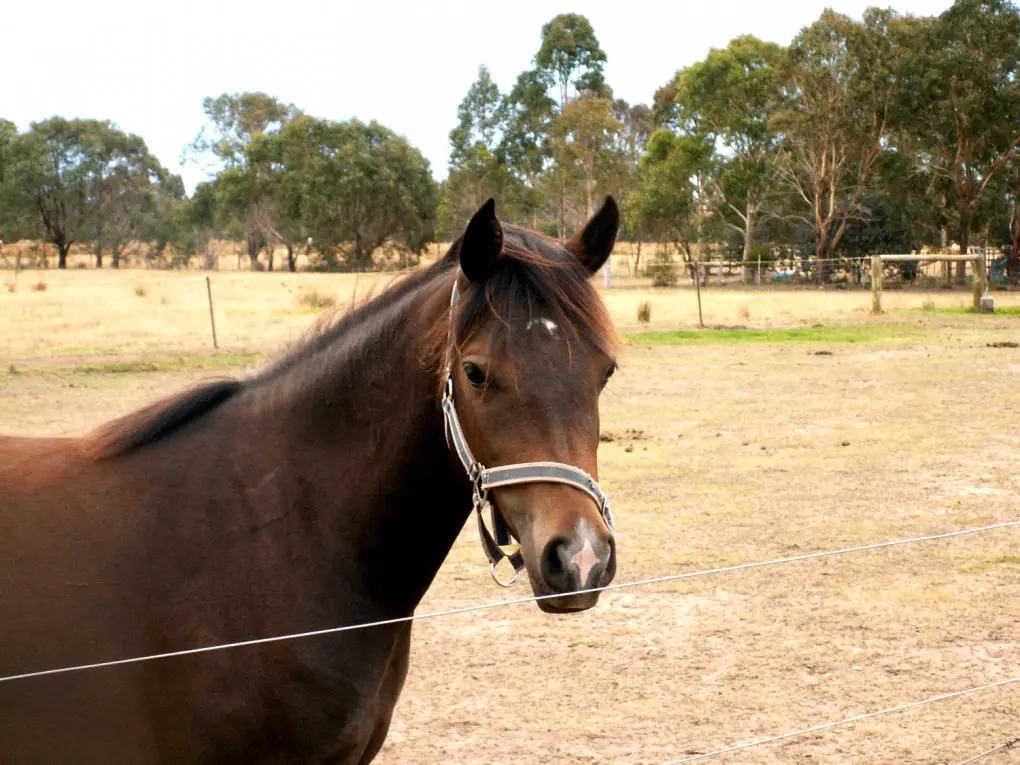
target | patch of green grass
x=78, y=350
x=1002, y=560
x=1000, y=310
x=178, y=364
x=847, y=333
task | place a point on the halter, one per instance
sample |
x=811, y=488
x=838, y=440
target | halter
x=484, y=479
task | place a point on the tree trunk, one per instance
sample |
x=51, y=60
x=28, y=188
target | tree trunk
x=98, y=252
x=291, y=258
x=590, y=191
x=561, y=225
x=821, y=230
x=252, y=243
x=821, y=257
x=1013, y=261
x=961, y=268
x=272, y=254
x=748, y=241
x=62, y=250
x=944, y=248
x=116, y=253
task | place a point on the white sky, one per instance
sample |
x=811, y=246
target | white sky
x=147, y=65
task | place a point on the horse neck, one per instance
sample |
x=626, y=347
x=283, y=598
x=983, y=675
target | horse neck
x=362, y=422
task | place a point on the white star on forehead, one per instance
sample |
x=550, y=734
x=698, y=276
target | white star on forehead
x=550, y=326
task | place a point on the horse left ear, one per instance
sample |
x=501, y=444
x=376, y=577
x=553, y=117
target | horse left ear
x=593, y=243
x=482, y=245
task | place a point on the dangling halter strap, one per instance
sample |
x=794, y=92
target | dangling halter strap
x=484, y=479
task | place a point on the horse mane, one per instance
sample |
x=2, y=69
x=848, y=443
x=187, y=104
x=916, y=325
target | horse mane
x=534, y=273
x=169, y=415
x=335, y=323
x=156, y=421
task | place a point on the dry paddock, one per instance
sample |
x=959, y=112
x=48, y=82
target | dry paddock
x=716, y=451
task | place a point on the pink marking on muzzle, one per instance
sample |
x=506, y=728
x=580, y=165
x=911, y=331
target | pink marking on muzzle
x=585, y=561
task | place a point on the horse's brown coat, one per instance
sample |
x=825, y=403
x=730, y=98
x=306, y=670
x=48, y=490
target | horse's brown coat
x=318, y=493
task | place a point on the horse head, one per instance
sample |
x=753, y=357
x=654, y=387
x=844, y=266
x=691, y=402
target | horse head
x=529, y=352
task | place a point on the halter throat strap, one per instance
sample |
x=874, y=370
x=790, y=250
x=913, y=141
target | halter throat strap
x=484, y=479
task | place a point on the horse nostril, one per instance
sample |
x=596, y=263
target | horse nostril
x=556, y=568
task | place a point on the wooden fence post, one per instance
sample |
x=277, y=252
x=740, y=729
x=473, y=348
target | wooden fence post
x=876, y=284
x=697, y=286
x=212, y=315
x=979, y=281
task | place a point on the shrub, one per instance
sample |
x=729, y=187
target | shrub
x=663, y=271
x=314, y=299
x=644, y=312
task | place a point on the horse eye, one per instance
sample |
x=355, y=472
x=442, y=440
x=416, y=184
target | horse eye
x=608, y=374
x=475, y=374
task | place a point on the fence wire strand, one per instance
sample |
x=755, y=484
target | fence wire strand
x=845, y=721
x=1014, y=744
x=513, y=602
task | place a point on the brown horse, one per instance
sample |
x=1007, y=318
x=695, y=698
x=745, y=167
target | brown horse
x=319, y=492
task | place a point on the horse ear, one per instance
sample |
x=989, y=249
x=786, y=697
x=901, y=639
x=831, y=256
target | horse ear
x=593, y=243
x=482, y=245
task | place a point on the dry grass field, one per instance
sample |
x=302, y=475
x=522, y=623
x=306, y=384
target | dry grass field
x=819, y=427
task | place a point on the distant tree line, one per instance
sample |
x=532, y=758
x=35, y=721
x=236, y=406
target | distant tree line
x=884, y=134
x=337, y=192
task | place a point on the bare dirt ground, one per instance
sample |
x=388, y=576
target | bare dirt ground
x=715, y=454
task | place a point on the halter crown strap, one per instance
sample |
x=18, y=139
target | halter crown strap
x=483, y=479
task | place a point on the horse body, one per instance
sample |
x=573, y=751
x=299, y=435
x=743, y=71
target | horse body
x=320, y=493
x=151, y=551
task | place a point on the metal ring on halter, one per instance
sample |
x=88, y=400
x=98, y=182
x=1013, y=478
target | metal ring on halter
x=506, y=585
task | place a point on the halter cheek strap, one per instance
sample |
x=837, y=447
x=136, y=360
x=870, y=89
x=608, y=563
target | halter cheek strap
x=484, y=479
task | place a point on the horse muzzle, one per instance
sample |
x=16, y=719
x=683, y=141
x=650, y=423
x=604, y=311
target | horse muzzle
x=575, y=565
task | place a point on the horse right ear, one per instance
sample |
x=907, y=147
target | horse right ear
x=482, y=244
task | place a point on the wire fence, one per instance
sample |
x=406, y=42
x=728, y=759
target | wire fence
x=1013, y=744
x=818, y=728
x=517, y=601
x=182, y=309
x=851, y=721
x=620, y=264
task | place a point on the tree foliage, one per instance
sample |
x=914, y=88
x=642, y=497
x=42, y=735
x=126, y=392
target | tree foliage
x=732, y=97
x=571, y=56
x=666, y=204
x=476, y=171
x=526, y=116
x=359, y=187
x=584, y=139
x=842, y=80
x=964, y=98
x=82, y=178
